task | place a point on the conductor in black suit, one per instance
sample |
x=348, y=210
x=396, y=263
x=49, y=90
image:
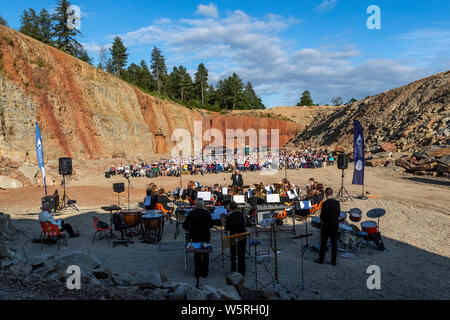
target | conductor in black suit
x=329, y=219
x=198, y=223
x=236, y=177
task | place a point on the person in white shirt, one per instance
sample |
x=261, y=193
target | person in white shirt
x=45, y=216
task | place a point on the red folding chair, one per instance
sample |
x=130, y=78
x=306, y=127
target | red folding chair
x=51, y=232
x=100, y=230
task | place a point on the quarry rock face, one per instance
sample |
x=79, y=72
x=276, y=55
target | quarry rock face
x=407, y=118
x=86, y=113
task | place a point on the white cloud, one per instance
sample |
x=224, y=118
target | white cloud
x=209, y=10
x=253, y=48
x=327, y=5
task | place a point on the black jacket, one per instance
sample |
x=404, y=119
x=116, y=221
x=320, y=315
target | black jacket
x=164, y=200
x=191, y=193
x=235, y=223
x=254, y=201
x=237, y=180
x=219, y=196
x=331, y=210
x=197, y=223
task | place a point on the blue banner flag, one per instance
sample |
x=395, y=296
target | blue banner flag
x=358, y=145
x=40, y=154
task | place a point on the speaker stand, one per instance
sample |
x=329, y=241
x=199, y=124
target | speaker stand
x=342, y=191
x=65, y=201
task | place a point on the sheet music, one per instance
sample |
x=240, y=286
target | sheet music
x=273, y=198
x=239, y=199
x=224, y=191
x=291, y=195
x=205, y=195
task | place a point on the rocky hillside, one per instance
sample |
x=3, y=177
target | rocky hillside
x=86, y=113
x=409, y=117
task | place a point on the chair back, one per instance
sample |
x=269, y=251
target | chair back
x=160, y=207
x=147, y=201
x=50, y=230
x=98, y=224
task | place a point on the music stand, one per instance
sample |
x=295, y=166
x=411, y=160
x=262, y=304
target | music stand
x=301, y=285
x=222, y=253
x=275, y=282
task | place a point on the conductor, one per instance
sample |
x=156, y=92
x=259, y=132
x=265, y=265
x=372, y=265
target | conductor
x=236, y=177
x=329, y=219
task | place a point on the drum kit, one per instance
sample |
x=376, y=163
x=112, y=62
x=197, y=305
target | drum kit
x=349, y=234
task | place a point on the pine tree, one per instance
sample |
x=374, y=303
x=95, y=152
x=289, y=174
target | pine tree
x=45, y=27
x=65, y=38
x=306, y=99
x=201, y=81
x=83, y=56
x=30, y=24
x=251, y=100
x=159, y=68
x=146, y=80
x=337, y=101
x=3, y=22
x=119, y=56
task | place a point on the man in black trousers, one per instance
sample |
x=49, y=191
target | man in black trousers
x=236, y=225
x=198, y=223
x=329, y=219
x=237, y=179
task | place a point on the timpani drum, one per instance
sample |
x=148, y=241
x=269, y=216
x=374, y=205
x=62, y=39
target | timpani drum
x=153, y=226
x=132, y=216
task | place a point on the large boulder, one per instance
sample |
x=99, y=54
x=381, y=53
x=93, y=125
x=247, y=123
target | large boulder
x=229, y=293
x=9, y=183
x=146, y=280
x=388, y=147
x=238, y=281
x=84, y=260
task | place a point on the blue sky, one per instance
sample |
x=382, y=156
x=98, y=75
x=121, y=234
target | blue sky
x=282, y=47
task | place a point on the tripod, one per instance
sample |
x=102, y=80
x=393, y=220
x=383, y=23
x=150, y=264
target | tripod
x=342, y=191
x=255, y=243
x=65, y=201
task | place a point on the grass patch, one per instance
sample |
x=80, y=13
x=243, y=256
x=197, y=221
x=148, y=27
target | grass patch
x=8, y=40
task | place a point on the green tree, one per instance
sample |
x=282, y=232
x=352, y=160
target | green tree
x=3, y=22
x=180, y=84
x=337, y=101
x=83, y=56
x=229, y=93
x=109, y=66
x=119, y=56
x=306, y=99
x=65, y=38
x=251, y=100
x=201, y=82
x=352, y=100
x=146, y=80
x=159, y=69
x=30, y=24
x=45, y=27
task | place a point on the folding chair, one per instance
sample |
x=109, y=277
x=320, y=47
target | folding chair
x=101, y=228
x=52, y=233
